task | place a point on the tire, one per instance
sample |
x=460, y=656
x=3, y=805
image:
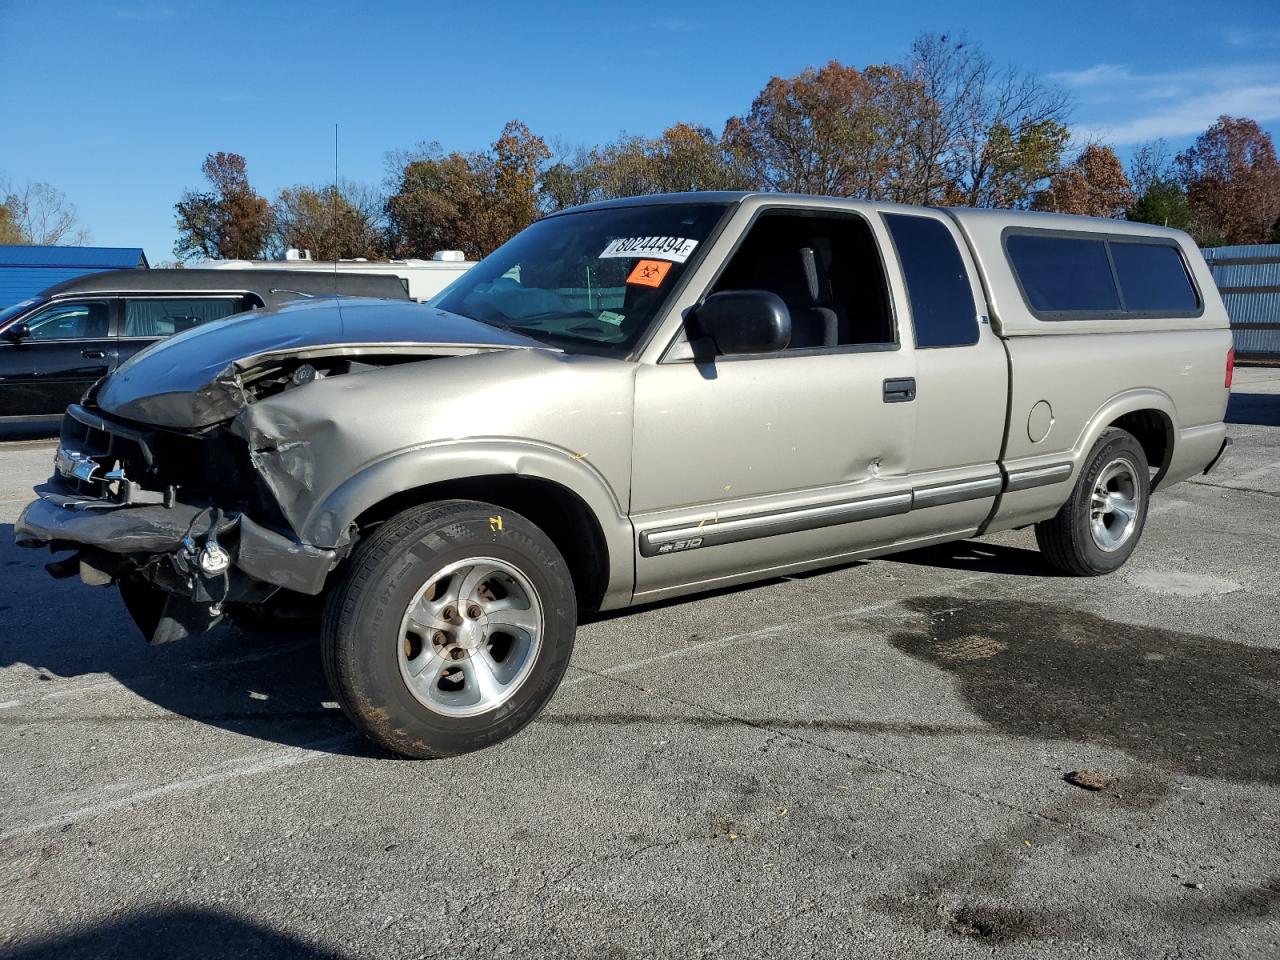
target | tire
x=1085, y=542
x=450, y=629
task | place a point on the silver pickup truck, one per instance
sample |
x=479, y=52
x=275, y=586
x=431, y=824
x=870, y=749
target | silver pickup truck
x=631, y=401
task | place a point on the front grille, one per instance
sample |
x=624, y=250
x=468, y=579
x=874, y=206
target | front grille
x=88, y=439
x=206, y=468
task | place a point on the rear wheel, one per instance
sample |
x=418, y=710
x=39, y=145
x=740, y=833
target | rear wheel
x=1098, y=529
x=450, y=630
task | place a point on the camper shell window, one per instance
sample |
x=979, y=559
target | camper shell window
x=1096, y=276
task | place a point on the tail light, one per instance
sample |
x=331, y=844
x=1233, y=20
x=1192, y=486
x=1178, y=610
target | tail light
x=1231, y=366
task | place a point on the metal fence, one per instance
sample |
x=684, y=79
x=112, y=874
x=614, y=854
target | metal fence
x=1248, y=277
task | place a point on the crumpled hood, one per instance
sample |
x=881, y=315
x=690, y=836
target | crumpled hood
x=193, y=379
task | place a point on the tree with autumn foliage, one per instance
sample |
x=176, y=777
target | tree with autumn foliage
x=10, y=232
x=685, y=157
x=1232, y=182
x=472, y=202
x=518, y=156
x=824, y=131
x=682, y=158
x=947, y=126
x=333, y=222
x=227, y=221
x=1094, y=184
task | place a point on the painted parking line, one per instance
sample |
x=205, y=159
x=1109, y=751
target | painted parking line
x=294, y=756
x=760, y=634
x=268, y=762
x=218, y=773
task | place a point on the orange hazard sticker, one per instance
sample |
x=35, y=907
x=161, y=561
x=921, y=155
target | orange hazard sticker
x=649, y=273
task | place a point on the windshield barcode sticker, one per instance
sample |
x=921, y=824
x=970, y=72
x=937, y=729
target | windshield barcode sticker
x=675, y=249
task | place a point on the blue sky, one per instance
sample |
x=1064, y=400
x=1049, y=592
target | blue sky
x=117, y=102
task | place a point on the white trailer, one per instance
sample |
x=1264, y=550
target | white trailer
x=423, y=279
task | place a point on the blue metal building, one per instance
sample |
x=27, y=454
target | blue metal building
x=26, y=270
x=1248, y=277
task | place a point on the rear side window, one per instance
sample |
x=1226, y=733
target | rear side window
x=1064, y=274
x=1153, y=279
x=942, y=306
x=163, y=317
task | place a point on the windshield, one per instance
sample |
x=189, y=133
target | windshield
x=595, y=279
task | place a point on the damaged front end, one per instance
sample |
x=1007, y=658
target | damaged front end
x=181, y=521
x=185, y=476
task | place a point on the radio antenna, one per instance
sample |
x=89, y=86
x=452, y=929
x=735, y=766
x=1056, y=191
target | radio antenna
x=333, y=225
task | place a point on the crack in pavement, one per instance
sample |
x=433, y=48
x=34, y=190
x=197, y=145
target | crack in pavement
x=1223, y=486
x=806, y=907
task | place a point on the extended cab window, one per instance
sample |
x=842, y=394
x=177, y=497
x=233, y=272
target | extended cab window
x=942, y=307
x=165, y=316
x=1153, y=278
x=826, y=269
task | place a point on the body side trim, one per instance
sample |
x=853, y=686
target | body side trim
x=690, y=536
x=1038, y=476
x=711, y=583
x=943, y=493
x=669, y=540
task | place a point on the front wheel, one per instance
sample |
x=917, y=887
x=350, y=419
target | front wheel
x=450, y=629
x=1097, y=530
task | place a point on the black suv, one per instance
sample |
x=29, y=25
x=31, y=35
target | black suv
x=58, y=343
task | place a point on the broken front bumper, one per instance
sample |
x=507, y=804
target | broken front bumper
x=63, y=520
x=155, y=527
x=165, y=515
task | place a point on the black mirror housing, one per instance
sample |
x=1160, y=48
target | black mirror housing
x=744, y=321
x=17, y=332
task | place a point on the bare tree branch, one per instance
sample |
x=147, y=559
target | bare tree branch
x=38, y=213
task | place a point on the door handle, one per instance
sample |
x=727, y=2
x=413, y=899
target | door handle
x=94, y=354
x=899, y=389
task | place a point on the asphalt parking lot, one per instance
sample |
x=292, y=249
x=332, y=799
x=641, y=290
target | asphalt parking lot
x=865, y=762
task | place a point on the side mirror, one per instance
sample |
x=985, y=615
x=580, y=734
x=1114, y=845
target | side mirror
x=744, y=321
x=19, y=331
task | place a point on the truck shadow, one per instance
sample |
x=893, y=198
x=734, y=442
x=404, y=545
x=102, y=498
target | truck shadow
x=75, y=640
x=1259, y=409
x=599, y=616
x=1196, y=704
x=979, y=556
x=1187, y=703
x=190, y=932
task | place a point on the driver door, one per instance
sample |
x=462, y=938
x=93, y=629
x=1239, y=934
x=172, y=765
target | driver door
x=69, y=348
x=749, y=465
